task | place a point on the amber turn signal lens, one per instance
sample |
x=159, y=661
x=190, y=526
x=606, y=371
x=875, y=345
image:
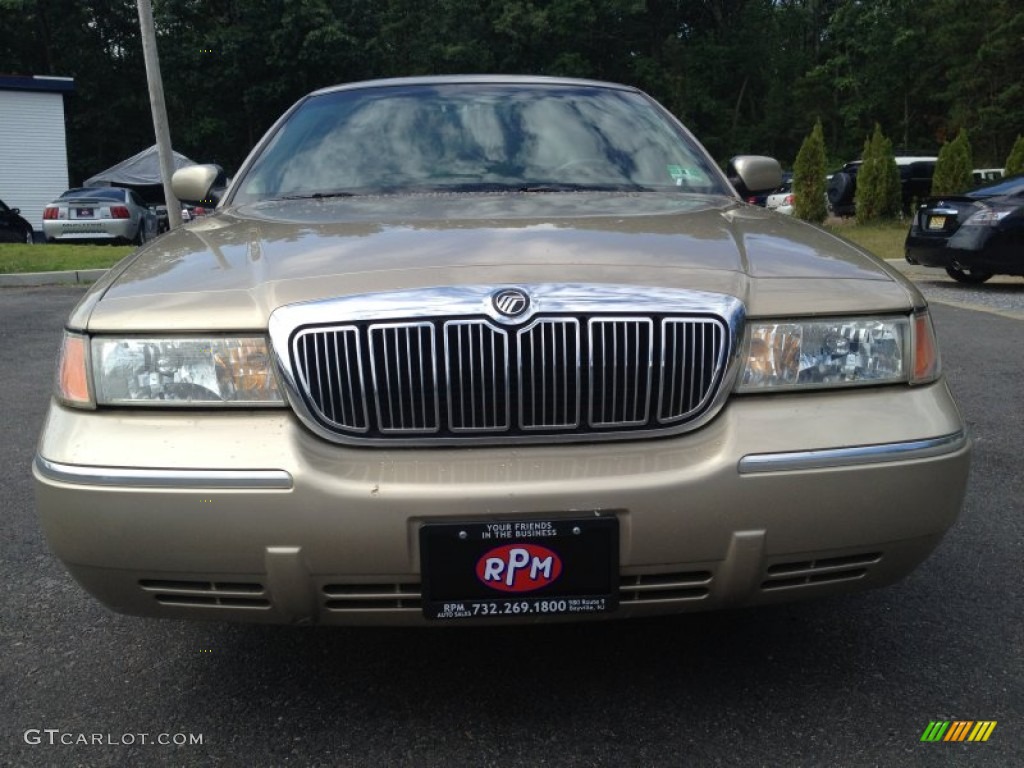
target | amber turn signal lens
x=72, y=373
x=926, y=351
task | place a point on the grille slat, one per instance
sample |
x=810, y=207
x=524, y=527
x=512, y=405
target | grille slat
x=348, y=405
x=402, y=356
x=345, y=405
x=476, y=357
x=691, y=363
x=620, y=382
x=549, y=375
x=468, y=377
x=322, y=374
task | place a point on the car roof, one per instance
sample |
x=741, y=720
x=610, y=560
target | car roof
x=395, y=82
x=1008, y=186
x=906, y=160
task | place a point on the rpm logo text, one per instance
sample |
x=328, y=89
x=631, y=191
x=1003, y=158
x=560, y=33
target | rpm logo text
x=519, y=567
x=958, y=730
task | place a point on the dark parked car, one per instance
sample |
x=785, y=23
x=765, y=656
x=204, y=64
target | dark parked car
x=915, y=183
x=163, y=222
x=13, y=228
x=972, y=236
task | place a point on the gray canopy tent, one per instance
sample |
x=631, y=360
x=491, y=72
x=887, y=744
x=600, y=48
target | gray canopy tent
x=141, y=172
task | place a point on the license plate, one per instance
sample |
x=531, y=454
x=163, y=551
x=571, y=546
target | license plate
x=524, y=568
x=84, y=213
x=936, y=222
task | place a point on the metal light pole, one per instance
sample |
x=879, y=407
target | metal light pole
x=156, y=101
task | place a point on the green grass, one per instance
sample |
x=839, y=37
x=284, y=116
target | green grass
x=18, y=257
x=884, y=240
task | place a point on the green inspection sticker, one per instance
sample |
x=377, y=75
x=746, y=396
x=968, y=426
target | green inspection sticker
x=681, y=174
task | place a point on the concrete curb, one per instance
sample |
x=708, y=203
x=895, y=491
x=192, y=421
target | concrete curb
x=73, y=277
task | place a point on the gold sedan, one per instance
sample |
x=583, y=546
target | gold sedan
x=470, y=350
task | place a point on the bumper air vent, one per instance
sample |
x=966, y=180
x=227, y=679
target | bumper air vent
x=662, y=587
x=214, y=594
x=372, y=597
x=822, y=571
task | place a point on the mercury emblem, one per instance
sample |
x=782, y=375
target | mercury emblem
x=510, y=302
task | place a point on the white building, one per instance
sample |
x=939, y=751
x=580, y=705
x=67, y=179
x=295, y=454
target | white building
x=33, y=146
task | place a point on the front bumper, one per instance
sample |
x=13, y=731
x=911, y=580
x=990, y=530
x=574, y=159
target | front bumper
x=247, y=516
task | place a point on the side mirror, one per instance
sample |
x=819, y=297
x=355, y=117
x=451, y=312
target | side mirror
x=15, y=211
x=754, y=174
x=199, y=184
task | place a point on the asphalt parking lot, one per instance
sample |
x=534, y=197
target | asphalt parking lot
x=841, y=682
x=1002, y=294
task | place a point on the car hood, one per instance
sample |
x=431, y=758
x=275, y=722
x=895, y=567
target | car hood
x=232, y=269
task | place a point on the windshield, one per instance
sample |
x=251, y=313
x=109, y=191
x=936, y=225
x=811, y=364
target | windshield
x=466, y=137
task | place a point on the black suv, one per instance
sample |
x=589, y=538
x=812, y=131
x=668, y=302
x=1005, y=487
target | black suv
x=915, y=181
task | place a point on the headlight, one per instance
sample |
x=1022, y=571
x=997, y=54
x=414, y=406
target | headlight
x=184, y=372
x=842, y=352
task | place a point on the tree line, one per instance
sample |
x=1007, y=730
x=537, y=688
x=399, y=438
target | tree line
x=747, y=76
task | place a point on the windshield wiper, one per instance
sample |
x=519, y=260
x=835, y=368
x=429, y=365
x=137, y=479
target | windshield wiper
x=317, y=196
x=471, y=187
x=555, y=186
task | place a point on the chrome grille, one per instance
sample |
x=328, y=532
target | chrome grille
x=477, y=376
x=403, y=366
x=549, y=374
x=330, y=371
x=689, y=366
x=471, y=378
x=621, y=351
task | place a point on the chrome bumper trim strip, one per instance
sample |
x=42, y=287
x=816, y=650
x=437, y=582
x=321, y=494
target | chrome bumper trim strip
x=230, y=479
x=757, y=463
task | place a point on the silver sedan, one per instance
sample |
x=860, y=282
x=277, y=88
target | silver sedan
x=99, y=214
